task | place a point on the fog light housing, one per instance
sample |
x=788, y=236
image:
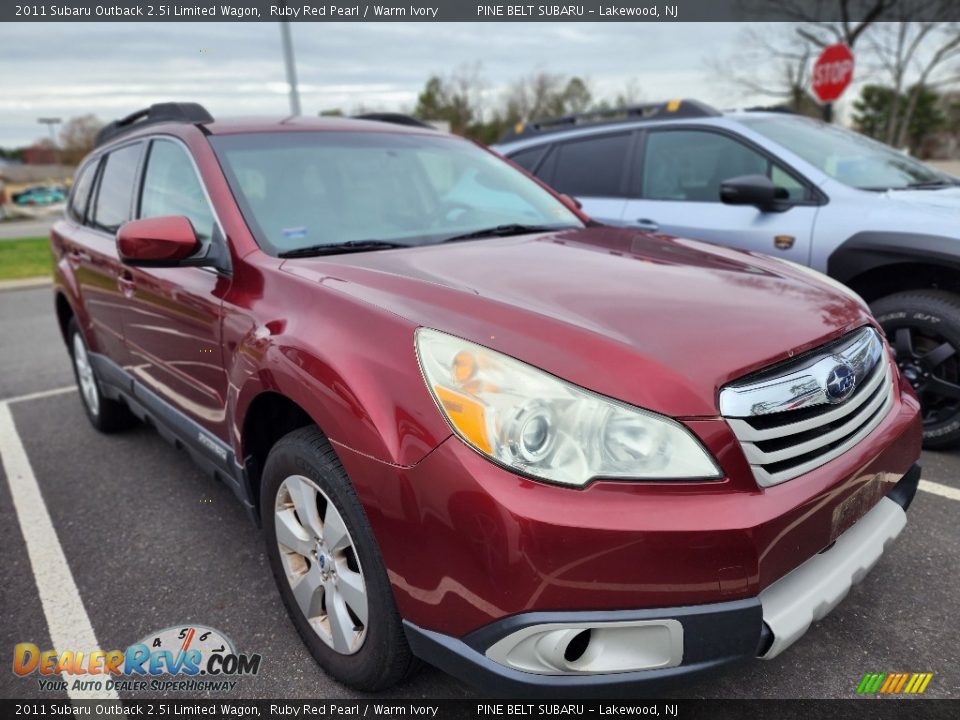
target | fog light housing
x=591, y=648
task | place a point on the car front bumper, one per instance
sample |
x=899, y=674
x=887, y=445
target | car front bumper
x=711, y=635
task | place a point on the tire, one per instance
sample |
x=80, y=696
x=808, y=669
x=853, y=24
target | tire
x=106, y=415
x=923, y=327
x=362, y=647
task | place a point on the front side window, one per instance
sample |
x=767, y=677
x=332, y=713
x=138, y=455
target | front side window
x=171, y=187
x=848, y=157
x=115, y=192
x=305, y=189
x=690, y=165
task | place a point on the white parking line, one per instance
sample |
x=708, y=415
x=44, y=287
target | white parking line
x=937, y=489
x=67, y=619
x=41, y=395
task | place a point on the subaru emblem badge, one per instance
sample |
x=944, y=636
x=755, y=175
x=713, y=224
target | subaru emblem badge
x=841, y=381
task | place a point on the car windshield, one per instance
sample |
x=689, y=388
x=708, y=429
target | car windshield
x=303, y=190
x=849, y=157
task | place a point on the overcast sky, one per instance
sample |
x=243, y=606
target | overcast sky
x=236, y=68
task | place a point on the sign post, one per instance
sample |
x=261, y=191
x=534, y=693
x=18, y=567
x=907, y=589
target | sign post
x=832, y=73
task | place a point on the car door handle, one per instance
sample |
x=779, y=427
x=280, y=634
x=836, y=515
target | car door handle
x=647, y=224
x=76, y=256
x=126, y=284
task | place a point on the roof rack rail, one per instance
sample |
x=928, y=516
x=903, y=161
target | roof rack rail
x=670, y=110
x=786, y=109
x=186, y=112
x=394, y=118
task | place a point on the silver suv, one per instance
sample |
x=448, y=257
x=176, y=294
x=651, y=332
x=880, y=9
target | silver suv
x=874, y=219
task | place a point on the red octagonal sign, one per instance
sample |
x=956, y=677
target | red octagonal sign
x=832, y=72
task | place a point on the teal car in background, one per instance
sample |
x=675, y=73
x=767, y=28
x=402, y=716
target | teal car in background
x=40, y=195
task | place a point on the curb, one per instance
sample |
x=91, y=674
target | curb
x=25, y=283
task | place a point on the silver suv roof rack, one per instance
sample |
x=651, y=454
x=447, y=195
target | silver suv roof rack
x=670, y=110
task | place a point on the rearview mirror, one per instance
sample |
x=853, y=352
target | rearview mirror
x=157, y=241
x=756, y=190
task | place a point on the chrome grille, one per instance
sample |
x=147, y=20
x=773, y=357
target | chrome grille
x=801, y=414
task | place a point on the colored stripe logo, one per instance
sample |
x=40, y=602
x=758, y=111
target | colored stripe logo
x=894, y=683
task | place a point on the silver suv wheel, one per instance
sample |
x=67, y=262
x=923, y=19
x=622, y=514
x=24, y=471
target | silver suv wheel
x=321, y=564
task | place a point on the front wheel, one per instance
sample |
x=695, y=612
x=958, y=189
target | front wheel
x=924, y=329
x=327, y=565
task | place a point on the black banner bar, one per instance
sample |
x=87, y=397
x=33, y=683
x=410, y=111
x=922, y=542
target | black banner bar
x=859, y=709
x=473, y=10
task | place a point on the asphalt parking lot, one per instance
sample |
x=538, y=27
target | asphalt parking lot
x=152, y=543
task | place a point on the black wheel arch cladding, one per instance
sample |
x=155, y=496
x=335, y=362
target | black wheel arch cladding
x=870, y=250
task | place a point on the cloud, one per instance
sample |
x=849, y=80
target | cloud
x=111, y=69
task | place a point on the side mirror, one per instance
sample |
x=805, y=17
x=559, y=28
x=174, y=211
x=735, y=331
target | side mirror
x=756, y=190
x=157, y=241
x=571, y=202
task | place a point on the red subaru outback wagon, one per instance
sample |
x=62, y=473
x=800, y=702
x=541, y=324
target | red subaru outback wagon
x=478, y=428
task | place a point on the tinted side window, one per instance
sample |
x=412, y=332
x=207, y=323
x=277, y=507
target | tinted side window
x=592, y=167
x=115, y=192
x=689, y=165
x=77, y=208
x=527, y=159
x=171, y=187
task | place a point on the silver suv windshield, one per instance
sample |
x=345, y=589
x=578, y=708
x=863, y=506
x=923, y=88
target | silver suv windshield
x=306, y=193
x=849, y=157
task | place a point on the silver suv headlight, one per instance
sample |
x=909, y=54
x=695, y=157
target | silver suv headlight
x=536, y=423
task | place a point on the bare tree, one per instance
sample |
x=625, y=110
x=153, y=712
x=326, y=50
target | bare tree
x=791, y=52
x=915, y=56
x=78, y=136
x=787, y=56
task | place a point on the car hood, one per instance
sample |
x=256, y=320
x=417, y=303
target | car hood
x=659, y=322
x=945, y=202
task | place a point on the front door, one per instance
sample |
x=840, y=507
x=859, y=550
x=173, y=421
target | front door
x=677, y=191
x=172, y=320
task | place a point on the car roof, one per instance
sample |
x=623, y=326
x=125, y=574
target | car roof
x=266, y=124
x=726, y=118
x=177, y=117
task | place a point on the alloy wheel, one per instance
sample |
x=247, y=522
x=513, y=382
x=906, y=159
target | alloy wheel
x=321, y=564
x=931, y=365
x=85, y=376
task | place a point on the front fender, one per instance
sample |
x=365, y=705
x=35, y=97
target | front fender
x=360, y=382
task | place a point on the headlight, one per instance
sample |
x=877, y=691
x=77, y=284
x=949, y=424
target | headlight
x=827, y=280
x=529, y=420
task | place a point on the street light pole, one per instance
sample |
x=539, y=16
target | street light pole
x=291, y=67
x=51, y=123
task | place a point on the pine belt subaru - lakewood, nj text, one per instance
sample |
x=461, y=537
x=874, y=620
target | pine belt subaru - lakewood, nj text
x=478, y=428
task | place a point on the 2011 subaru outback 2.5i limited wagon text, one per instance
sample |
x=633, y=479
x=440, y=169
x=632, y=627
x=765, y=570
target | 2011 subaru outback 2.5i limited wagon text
x=477, y=428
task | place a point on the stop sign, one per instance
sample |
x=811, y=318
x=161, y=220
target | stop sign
x=832, y=72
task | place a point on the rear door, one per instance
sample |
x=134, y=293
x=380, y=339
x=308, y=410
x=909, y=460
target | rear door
x=593, y=169
x=91, y=248
x=676, y=190
x=172, y=319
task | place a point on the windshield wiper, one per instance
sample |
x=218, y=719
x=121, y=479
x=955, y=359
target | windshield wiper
x=505, y=231
x=341, y=247
x=932, y=184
